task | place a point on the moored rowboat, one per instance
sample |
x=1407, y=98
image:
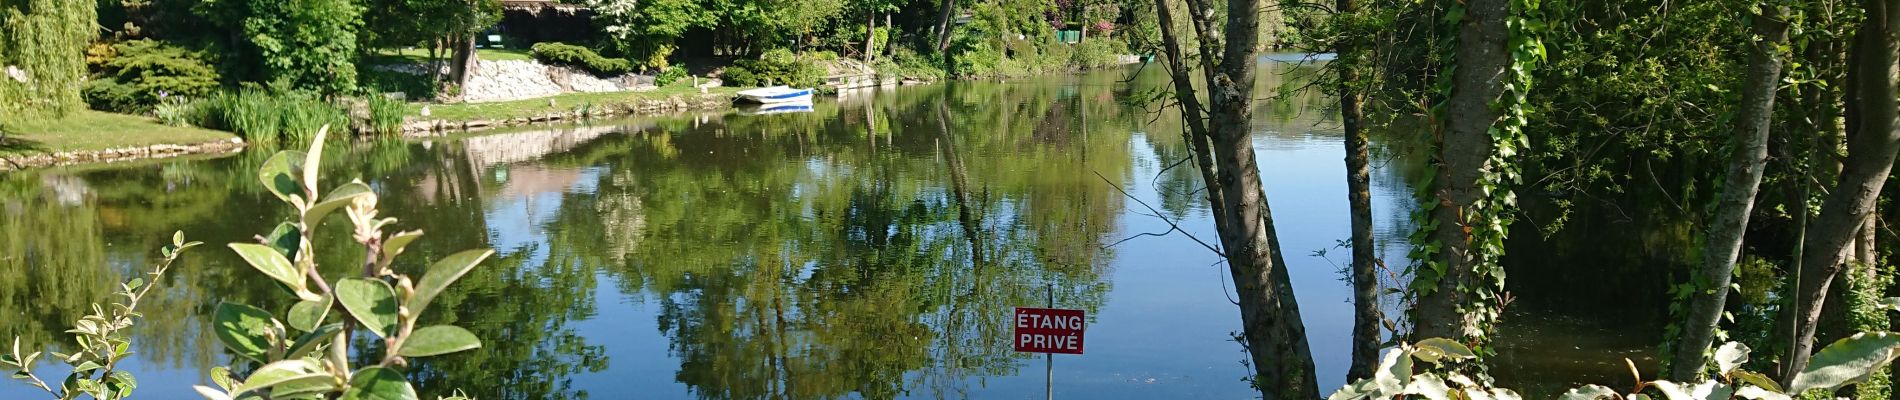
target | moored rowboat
x=775, y=94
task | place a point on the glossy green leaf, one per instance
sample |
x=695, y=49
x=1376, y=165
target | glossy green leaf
x=221, y=376
x=282, y=372
x=1890, y=304
x=314, y=159
x=1846, y=361
x=244, y=329
x=1589, y=392
x=1394, y=372
x=338, y=198
x=393, y=245
x=1709, y=390
x=1430, y=386
x=1730, y=356
x=306, y=315
x=210, y=393
x=438, y=340
x=1435, y=349
x=371, y=301
x=273, y=264
x=1757, y=393
x=309, y=342
x=280, y=174
x=1757, y=379
x=443, y=273
x=285, y=239
x=378, y=383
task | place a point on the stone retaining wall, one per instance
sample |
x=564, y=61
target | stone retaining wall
x=10, y=163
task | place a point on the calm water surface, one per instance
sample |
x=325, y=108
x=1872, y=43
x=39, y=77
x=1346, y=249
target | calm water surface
x=871, y=249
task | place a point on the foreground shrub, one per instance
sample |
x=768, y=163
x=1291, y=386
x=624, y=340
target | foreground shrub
x=579, y=57
x=103, y=339
x=669, y=75
x=134, y=76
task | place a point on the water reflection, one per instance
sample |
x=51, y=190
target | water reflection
x=871, y=248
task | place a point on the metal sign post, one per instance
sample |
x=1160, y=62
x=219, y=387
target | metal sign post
x=1049, y=331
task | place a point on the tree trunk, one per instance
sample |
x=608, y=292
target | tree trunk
x=1870, y=156
x=1274, y=335
x=462, y=60
x=890, y=33
x=1477, y=82
x=1748, y=159
x=1367, y=316
x=870, y=37
x=945, y=21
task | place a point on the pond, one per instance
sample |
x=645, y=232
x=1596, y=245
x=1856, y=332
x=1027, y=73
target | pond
x=873, y=248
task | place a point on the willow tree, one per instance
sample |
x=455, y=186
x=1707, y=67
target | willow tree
x=42, y=56
x=1219, y=134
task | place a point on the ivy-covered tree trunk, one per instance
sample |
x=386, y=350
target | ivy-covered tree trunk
x=1747, y=160
x=1870, y=156
x=1464, y=149
x=42, y=56
x=1270, y=314
x=1367, y=316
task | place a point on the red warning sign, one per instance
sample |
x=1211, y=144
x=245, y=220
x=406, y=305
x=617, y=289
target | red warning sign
x=1049, y=330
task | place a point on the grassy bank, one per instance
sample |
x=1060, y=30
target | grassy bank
x=562, y=103
x=94, y=130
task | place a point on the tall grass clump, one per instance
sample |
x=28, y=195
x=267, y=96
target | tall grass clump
x=266, y=117
x=385, y=114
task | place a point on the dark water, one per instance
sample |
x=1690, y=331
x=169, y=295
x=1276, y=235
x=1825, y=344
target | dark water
x=871, y=249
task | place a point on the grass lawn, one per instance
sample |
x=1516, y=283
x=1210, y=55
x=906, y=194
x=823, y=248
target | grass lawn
x=95, y=130
x=422, y=55
x=562, y=103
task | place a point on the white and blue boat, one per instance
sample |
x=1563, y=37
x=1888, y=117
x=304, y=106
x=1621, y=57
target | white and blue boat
x=778, y=108
x=775, y=94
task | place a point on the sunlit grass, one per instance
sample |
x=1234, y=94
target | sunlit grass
x=96, y=130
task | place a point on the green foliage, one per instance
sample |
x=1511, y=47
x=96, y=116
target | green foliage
x=669, y=75
x=309, y=43
x=646, y=29
x=906, y=63
x=1844, y=362
x=318, y=362
x=137, y=75
x=43, y=62
x=580, y=57
x=385, y=114
x=267, y=116
x=400, y=23
x=175, y=111
x=1098, y=53
x=777, y=67
x=103, y=341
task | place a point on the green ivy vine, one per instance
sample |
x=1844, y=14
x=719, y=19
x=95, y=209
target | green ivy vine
x=1489, y=218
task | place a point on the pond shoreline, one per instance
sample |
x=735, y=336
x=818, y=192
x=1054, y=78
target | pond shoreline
x=121, y=154
x=631, y=107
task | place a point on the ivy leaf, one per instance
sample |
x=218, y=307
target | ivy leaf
x=393, y=245
x=1846, y=361
x=1757, y=379
x=1890, y=304
x=438, y=340
x=1730, y=356
x=444, y=272
x=371, y=301
x=244, y=329
x=312, y=160
x=273, y=264
x=378, y=383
